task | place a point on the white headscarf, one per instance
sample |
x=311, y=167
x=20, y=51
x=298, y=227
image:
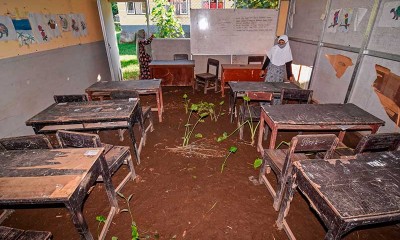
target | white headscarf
x=280, y=56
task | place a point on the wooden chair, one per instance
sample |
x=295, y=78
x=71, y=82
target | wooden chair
x=8, y=233
x=25, y=142
x=115, y=156
x=372, y=143
x=70, y=98
x=206, y=78
x=145, y=114
x=181, y=56
x=299, y=96
x=255, y=59
x=255, y=109
x=280, y=160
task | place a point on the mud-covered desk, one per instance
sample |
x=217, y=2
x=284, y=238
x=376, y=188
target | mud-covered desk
x=64, y=176
x=91, y=115
x=315, y=117
x=173, y=72
x=347, y=193
x=239, y=88
x=143, y=87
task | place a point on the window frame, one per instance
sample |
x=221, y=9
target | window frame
x=135, y=7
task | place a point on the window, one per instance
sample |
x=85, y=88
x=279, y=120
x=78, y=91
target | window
x=136, y=8
x=212, y=4
x=181, y=6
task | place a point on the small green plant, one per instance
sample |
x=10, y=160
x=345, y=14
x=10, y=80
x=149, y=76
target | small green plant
x=257, y=163
x=101, y=219
x=201, y=113
x=253, y=127
x=186, y=102
x=134, y=229
x=232, y=149
x=214, y=115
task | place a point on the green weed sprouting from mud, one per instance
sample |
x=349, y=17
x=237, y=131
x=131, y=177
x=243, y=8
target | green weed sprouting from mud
x=232, y=150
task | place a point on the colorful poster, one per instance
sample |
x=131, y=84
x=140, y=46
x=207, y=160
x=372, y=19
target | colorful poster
x=75, y=24
x=333, y=20
x=390, y=15
x=39, y=27
x=345, y=19
x=24, y=32
x=7, y=30
x=359, y=16
x=53, y=29
x=65, y=22
x=83, y=25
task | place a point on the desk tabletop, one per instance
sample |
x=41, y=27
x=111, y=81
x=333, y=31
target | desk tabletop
x=91, y=111
x=275, y=87
x=241, y=66
x=320, y=114
x=361, y=187
x=45, y=175
x=171, y=62
x=108, y=86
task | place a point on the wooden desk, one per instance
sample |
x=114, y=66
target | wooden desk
x=143, y=87
x=315, y=117
x=347, y=193
x=43, y=176
x=243, y=87
x=173, y=72
x=91, y=115
x=239, y=72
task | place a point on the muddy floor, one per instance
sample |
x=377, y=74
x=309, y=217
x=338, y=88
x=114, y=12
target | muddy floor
x=182, y=194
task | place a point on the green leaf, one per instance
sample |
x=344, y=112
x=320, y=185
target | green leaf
x=225, y=134
x=101, y=218
x=185, y=96
x=233, y=149
x=194, y=107
x=257, y=163
x=221, y=103
x=134, y=231
x=114, y=238
x=222, y=114
x=246, y=98
x=203, y=115
x=198, y=135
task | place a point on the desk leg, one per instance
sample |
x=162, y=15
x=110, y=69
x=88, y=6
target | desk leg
x=105, y=173
x=160, y=106
x=132, y=135
x=288, y=197
x=274, y=134
x=89, y=95
x=341, y=135
x=79, y=221
x=222, y=84
x=232, y=104
x=260, y=148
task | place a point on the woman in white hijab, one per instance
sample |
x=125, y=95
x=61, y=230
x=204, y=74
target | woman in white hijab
x=278, y=62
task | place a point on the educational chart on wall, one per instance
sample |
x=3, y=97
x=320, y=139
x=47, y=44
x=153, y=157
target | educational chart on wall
x=230, y=31
x=390, y=15
x=7, y=30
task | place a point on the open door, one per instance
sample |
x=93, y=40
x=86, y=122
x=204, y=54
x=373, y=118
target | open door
x=110, y=40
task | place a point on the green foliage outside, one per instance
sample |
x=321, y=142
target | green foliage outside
x=257, y=3
x=129, y=60
x=163, y=15
x=114, y=8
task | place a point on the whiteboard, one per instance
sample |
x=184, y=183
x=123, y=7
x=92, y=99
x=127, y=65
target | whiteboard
x=232, y=31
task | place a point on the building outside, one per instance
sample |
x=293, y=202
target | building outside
x=133, y=14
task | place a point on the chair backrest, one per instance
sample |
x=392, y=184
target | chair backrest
x=26, y=142
x=255, y=59
x=124, y=94
x=310, y=143
x=181, y=56
x=68, y=139
x=300, y=96
x=215, y=64
x=378, y=142
x=260, y=96
x=70, y=98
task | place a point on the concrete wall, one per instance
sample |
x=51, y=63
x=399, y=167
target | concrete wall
x=31, y=75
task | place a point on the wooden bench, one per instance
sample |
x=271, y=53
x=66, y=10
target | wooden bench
x=7, y=233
